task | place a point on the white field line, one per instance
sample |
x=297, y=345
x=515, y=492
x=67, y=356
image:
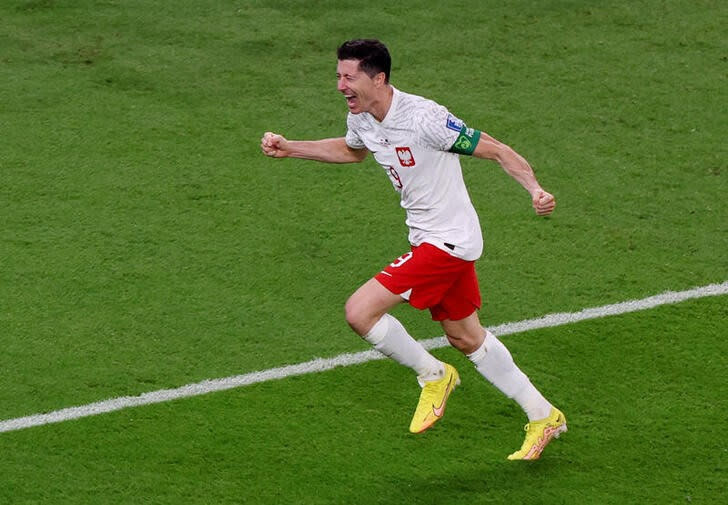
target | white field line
x=323, y=364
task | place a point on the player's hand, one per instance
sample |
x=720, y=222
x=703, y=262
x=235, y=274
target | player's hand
x=543, y=203
x=274, y=145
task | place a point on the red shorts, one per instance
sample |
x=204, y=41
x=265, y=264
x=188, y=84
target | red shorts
x=429, y=278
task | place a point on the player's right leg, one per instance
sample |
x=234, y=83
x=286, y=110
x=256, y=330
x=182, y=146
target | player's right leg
x=366, y=313
x=368, y=304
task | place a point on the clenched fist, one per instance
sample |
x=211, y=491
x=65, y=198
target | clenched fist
x=274, y=145
x=543, y=203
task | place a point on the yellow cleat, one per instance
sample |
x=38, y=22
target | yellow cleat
x=539, y=434
x=433, y=399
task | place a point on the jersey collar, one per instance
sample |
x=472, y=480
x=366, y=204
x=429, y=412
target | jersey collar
x=392, y=106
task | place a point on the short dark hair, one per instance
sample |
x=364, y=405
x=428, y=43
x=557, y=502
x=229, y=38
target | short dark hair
x=372, y=54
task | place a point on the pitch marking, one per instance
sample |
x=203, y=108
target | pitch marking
x=323, y=364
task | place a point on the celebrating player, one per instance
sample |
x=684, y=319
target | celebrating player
x=418, y=143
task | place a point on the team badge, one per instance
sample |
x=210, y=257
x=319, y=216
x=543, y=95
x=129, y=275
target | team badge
x=405, y=156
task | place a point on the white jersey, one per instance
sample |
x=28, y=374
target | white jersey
x=412, y=144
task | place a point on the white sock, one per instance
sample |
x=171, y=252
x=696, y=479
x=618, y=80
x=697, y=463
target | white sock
x=389, y=337
x=495, y=363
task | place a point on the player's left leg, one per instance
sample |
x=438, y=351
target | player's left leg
x=494, y=362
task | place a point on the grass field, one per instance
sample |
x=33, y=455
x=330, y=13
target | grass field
x=147, y=244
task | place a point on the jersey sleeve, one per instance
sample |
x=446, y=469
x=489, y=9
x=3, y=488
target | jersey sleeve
x=353, y=139
x=437, y=127
x=443, y=131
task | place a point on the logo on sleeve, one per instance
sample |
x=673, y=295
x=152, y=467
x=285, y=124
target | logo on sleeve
x=405, y=156
x=463, y=143
x=454, y=123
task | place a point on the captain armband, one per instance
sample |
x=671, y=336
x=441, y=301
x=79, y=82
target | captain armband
x=466, y=141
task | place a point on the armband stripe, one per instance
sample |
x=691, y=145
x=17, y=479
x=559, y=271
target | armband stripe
x=466, y=141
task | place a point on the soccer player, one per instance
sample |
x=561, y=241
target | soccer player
x=418, y=143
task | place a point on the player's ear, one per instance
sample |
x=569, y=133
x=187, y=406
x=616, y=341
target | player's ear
x=380, y=79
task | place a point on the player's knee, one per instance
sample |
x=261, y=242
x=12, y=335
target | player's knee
x=355, y=316
x=465, y=342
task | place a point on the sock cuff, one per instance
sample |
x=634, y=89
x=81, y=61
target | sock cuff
x=377, y=333
x=479, y=354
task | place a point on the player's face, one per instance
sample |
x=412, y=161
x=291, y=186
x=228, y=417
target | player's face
x=358, y=88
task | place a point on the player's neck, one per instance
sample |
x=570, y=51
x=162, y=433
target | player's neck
x=382, y=105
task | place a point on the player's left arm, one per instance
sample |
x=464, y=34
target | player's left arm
x=515, y=165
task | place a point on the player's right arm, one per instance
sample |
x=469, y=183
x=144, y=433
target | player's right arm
x=334, y=150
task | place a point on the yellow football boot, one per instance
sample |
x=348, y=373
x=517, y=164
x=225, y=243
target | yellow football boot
x=539, y=434
x=433, y=398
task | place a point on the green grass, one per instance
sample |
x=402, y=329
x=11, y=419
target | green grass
x=646, y=431
x=146, y=243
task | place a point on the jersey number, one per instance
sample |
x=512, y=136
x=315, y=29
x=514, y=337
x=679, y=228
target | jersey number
x=401, y=260
x=394, y=176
